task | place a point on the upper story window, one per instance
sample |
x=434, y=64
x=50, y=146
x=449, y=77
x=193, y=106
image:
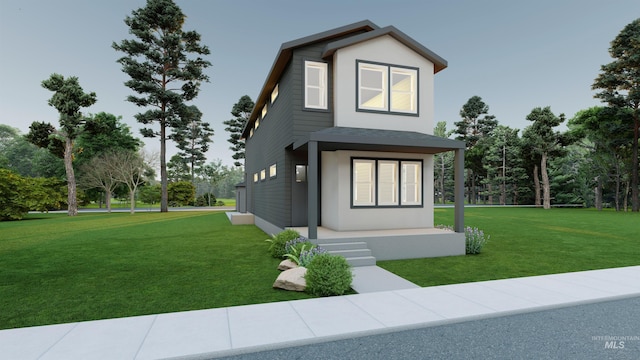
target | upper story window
x=264, y=111
x=387, y=88
x=274, y=93
x=315, y=85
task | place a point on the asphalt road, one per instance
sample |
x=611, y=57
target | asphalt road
x=605, y=330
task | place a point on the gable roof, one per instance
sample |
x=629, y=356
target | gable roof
x=362, y=30
x=438, y=62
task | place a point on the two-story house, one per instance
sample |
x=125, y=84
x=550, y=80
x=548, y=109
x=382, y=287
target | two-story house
x=339, y=144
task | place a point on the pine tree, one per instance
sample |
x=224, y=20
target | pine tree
x=166, y=70
x=241, y=112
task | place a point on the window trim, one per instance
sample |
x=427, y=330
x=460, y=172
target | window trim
x=274, y=93
x=323, y=86
x=263, y=174
x=399, y=186
x=387, y=88
x=273, y=171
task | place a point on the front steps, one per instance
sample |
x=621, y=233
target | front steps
x=357, y=253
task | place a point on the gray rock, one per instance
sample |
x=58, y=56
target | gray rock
x=286, y=265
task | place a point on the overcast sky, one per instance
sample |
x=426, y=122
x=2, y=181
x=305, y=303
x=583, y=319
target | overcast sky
x=516, y=55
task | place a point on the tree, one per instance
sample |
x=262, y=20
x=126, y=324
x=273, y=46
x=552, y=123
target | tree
x=620, y=84
x=503, y=164
x=178, y=169
x=603, y=131
x=166, y=70
x=129, y=167
x=99, y=172
x=26, y=159
x=471, y=129
x=443, y=164
x=68, y=98
x=19, y=195
x=546, y=142
x=241, y=112
x=193, y=139
x=103, y=133
x=181, y=193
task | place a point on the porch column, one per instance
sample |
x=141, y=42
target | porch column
x=458, y=164
x=312, y=190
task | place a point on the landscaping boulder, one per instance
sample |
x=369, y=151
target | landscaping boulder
x=286, y=265
x=292, y=279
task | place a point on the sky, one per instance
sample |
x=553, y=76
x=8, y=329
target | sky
x=515, y=55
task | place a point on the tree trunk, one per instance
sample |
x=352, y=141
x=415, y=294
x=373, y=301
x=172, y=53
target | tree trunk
x=625, y=200
x=132, y=198
x=634, y=168
x=474, y=194
x=598, y=193
x=490, y=192
x=469, y=192
x=164, y=194
x=71, y=178
x=546, y=187
x=107, y=200
x=536, y=182
x=442, y=174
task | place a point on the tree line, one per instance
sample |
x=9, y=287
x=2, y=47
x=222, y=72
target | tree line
x=593, y=163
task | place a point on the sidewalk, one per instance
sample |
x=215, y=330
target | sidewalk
x=233, y=330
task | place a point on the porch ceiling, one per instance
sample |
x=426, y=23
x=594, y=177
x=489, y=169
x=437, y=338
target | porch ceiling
x=345, y=138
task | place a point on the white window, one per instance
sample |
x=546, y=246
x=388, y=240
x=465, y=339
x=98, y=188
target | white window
x=255, y=177
x=386, y=182
x=263, y=174
x=315, y=85
x=274, y=94
x=387, y=88
x=256, y=124
x=411, y=183
x=403, y=90
x=251, y=132
x=272, y=171
x=364, y=182
x=372, y=87
x=264, y=111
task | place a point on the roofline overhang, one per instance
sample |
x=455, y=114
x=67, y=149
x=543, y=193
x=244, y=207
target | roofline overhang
x=439, y=63
x=284, y=55
x=379, y=140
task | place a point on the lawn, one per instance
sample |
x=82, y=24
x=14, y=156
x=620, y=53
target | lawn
x=531, y=241
x=58, y=269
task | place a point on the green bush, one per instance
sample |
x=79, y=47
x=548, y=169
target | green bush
x=328, y=275
x=278, y=243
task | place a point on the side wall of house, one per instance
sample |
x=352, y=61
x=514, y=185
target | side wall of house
x=386, y=50
x=269, y=199
x=337, y=213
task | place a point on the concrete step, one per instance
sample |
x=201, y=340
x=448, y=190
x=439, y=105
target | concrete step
x=351, y=253
x=344, y=246
x=362, y=261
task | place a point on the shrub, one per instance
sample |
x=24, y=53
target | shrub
x=301, y=251
x=474, y=240
x=278, y=242
x=328, y=275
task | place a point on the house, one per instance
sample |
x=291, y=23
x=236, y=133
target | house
x=339, y=146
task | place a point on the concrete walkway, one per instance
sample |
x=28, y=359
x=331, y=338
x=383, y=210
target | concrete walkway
x=225, y=331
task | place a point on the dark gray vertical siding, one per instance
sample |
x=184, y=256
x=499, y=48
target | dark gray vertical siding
x=269, y=199
x=307, y=121
x=286, y=122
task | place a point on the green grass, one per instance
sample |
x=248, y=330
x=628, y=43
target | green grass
x=530, y=241
x=57, y=269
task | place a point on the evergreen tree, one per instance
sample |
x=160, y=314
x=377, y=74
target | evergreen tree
x=193, y=139
x=474, y=126
x=620, y=85
x=241, y=112
x=68, y=98
x=166, y=70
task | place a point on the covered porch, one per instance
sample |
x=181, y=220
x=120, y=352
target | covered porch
x=375, y=140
